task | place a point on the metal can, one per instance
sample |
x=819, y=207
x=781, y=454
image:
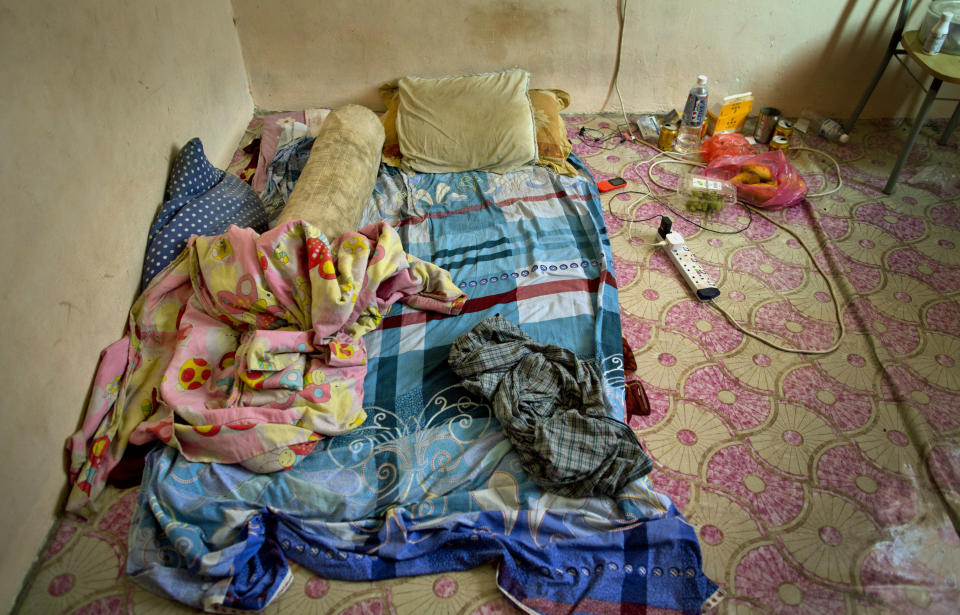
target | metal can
x=779, y=142
x=766, y=124
x=668, y=134
x=784, y=129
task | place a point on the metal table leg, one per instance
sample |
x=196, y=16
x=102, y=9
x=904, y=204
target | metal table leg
x=912, y=139
x=950, y=126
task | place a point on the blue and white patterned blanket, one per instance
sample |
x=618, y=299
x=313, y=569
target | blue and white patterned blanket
x=429, y=483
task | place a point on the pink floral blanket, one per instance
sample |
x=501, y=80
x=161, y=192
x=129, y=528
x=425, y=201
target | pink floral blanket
x=248, y=349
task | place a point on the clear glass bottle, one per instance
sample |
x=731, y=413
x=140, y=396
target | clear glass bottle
x=694, y=115
x=811, y=122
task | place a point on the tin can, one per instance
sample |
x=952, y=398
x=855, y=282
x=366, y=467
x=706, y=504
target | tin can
x=766, y=124
x=668, y=134
x=784, y=129
x=779, y=142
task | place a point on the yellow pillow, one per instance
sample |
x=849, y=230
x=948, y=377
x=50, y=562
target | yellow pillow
x=391, y=144
x=553, y=146
x=475, y=122
x=552, y=143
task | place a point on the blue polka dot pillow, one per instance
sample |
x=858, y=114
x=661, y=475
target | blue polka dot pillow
x=200, y=199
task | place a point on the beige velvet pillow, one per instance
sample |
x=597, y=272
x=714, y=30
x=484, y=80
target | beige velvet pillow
x=340, y=173
x=553, y=146
x=475, y=122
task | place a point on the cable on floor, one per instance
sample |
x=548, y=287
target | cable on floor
x=836, y=166
x=833, y=298
x=750, y=210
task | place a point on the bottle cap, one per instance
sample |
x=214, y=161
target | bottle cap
x=702, y=79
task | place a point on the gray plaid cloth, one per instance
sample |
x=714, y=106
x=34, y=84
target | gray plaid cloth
x=550, y=405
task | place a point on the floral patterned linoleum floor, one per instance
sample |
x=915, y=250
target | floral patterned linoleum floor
x=817, y=483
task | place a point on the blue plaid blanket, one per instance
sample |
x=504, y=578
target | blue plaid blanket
x=429, y=483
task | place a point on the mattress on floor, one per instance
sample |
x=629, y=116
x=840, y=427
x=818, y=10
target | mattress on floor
x=427, y=488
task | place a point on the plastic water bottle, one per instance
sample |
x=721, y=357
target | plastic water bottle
x=694, y=114
x=812, y=122
x=938, y=34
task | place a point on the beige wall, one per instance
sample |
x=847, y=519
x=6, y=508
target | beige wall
x=789, y=53
x=97, y=96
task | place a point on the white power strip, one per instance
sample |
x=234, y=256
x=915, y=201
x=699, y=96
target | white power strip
x=695, y=275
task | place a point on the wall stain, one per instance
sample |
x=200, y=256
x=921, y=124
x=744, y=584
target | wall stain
x=70, y=308
x=504, y=29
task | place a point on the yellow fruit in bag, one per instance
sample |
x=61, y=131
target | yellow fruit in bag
x=760, y=170
x=745, y=177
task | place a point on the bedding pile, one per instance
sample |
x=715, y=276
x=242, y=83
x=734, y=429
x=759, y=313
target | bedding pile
x=429, y=483
x=249, y=348
x=311, y=404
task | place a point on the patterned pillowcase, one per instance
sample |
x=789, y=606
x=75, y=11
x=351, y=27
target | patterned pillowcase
x=391, y=144
x=552, y=142
x=553, y=146
x=200, y=199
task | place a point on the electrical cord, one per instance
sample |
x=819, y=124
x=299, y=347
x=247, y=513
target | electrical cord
x=683, y=160
x=750, y=209
x=836, y=165
x=622, y=6
x=666, y=160
x=601, y=139
x=616, y=216
x=598, y=142
x=833, y=297
x=666, y=205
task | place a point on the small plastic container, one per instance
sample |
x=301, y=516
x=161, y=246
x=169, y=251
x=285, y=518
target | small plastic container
x=704, y=194
x=934, y=10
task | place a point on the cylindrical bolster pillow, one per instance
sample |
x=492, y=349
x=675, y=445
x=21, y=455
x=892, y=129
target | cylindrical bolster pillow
x=340, y=173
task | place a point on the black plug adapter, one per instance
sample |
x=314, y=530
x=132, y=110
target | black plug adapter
x=666, y=225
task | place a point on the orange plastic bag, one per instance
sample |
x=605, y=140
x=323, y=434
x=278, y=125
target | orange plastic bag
x=726, y=144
